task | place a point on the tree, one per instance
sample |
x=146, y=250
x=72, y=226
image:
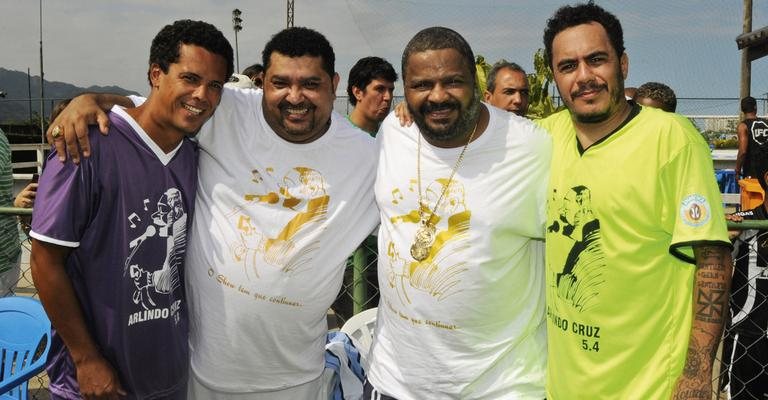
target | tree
x=482, y=68
x=540, y=102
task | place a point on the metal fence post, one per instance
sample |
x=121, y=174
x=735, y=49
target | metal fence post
x=359, y=286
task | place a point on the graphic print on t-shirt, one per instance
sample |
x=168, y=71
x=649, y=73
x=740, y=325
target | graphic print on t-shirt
x=439, y=274
x=749, y=296
x=300, y=202
x=758, y=129
x=579, y=281
x=153, y=277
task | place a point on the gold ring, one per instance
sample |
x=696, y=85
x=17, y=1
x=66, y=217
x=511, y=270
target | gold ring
x=56, y=132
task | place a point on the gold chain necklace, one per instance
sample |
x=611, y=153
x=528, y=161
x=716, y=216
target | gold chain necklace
x=425, y=235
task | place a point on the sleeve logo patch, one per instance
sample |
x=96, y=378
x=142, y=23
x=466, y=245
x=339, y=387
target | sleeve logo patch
x=694, y=210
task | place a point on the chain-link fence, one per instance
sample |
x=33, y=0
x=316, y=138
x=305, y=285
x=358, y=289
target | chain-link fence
x=743, y=360
x=18, y=282
x=741, y=367
x=716, y=118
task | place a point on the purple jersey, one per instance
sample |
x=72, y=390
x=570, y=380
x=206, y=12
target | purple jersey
x=125, y=212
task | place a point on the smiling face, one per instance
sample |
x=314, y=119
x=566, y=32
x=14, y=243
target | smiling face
x=511, y=91
x=191, y=89
x=588, y=73
x=298, y=97
x=440, y=94
x=375, y=99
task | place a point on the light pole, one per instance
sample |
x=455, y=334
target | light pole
x=289, y=14
x=237, y=26
x=42, y=79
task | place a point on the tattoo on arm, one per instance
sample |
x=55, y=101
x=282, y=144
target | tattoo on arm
x=696, y=350
x=710, y=302
x=710, y=305
x=712, y=281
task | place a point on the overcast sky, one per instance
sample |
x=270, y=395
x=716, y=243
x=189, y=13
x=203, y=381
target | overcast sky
x=690, y=45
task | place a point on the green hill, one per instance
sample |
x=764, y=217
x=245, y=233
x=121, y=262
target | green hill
x=15, y=106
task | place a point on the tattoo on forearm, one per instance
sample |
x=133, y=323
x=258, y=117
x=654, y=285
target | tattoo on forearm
x=712, y=252
x=695, y=382
x=710, y=297
x=702, y=347
x=710, y=305
x=711, y=292
x=693, y=362
x=688, y=394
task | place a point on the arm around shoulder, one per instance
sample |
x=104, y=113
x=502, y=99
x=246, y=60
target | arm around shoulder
x=69, y=131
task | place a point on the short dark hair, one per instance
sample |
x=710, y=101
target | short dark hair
x=253, y=70
x=748, y=105
x=298, y=42
x=166, y=44
x=438, y=38
x=569, y=16
x=367, y=69
x=503, y=64
x=658, y=92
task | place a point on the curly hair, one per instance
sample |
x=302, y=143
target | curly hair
x=166, y=44
x=367, y=69
x=660, y=93
x=298, y=42
x=569, y=16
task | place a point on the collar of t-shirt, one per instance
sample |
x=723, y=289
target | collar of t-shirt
x=632, y=114
x=355, y=125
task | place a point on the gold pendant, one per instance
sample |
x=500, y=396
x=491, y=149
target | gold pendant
x=422, y=242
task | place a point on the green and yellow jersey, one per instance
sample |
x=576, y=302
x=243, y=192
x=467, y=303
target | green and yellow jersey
x=622, y=219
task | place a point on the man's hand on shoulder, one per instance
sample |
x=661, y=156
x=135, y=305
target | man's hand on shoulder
x=68, y=133
x=403, y=115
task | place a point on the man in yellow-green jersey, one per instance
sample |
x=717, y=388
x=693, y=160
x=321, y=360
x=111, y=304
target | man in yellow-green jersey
x=638, y=262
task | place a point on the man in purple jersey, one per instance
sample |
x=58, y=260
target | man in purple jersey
x=109, y=234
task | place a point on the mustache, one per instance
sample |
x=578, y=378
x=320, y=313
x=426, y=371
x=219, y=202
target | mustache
x=429, y=106
x=304, y=104
x=589, y=87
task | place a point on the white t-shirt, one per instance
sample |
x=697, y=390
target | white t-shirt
x=275, y=222
x=468, y=321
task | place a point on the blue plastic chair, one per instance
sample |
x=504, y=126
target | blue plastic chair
x=726, y=180
x=24, y=327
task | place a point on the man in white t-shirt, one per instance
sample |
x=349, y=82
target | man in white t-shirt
x=285, y=194
x=461, y=272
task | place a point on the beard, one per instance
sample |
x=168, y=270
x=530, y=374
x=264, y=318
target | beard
x=441, y=133
x=296, y=131
x=616, y=94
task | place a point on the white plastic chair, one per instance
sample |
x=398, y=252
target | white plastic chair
x=360, y=329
